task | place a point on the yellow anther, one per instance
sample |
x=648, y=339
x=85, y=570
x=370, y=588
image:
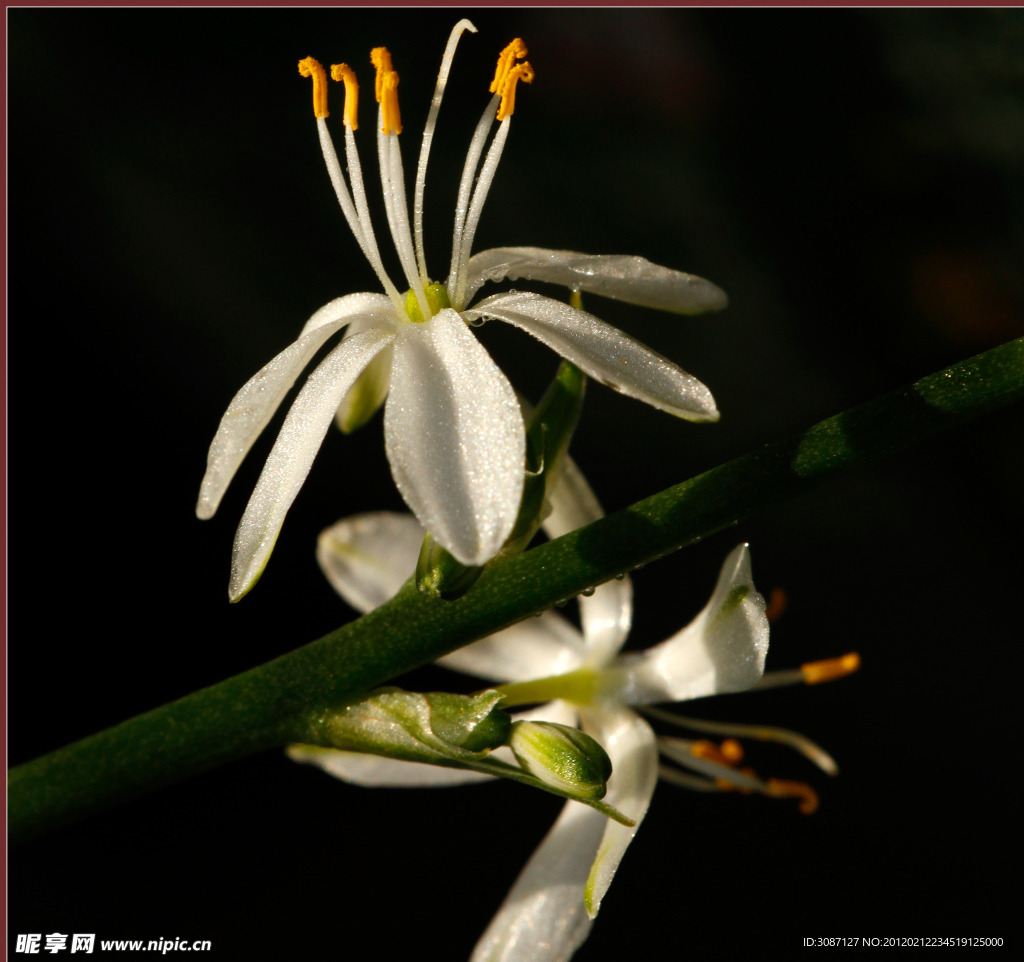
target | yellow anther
x=381, y=59
x=728, y=754
x=778, y=788
x=830, y=669
x=312, y=68
x=521, y=71
x=732, y=751
x=342, y=71
x=516, y=50
x=391, y=118
x=778, y=601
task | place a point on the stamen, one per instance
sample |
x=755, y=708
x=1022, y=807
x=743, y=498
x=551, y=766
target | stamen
x=516, y=50
x=729, y=753
x=313, y=68
x=392, y=119
x=476, y=147
x=830, y=669
x=523, y=72
x=381, y=59
x=809, y=802
x=342, y=71
x=428, y=137
x=762, y=733
x=777, y=604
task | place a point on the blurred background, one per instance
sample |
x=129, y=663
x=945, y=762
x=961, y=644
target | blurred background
x=853, y=179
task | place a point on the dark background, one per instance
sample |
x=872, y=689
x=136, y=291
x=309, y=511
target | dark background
x=852, y=179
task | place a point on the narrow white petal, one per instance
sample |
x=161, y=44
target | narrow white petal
x=370, y=390
x=454, y=436
x=428, y=139
x=632, y=747
x=625, y=278
x=543, y=918
x=373, y=771
x=721, y=650
x=534, y=648
x=254, y=405
x=558, y=711
x=607, y=614
x=368, y=557
x=603, y=352
x=293, y=453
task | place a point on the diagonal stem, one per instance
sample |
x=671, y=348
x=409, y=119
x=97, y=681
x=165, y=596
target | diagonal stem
x=269, y=705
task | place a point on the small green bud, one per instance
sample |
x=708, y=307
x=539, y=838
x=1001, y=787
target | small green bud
x=437, y=301
x=562, y=757
x=440, y=575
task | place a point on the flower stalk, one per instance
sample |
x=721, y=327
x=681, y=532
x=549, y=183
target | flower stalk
x=270, y=705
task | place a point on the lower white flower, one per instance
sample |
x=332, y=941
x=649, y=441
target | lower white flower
x=581, y=678
x=453, y=430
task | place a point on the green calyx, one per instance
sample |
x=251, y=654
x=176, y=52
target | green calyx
x=437, y=301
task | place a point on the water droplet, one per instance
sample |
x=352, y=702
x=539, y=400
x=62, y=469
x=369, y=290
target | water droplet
x=587, y=592
x=538, y=614
x=619, y=577
x=562, y=603
x=477, y=322
x=639, y=566
x=512, y=290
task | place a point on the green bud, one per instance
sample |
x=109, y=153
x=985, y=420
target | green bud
x=440, y=575
x=437, y=301
x=562, y=757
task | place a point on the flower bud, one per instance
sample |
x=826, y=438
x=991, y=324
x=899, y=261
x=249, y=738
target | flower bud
x=562, y=757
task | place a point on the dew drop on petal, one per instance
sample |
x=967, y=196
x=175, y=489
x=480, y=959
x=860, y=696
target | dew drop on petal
x=587, y=592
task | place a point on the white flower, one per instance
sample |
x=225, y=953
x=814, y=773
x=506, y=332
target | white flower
x=548, y=913
x=453, y=429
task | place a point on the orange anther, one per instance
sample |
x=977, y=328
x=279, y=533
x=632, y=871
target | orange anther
x=391, y=119
x=831, y=668
x=516, y=50
x=381, y=59
x=778, y=601
x=732, y=751
x=709, y=751
x=522, y=71
x=312, y=68
x=778, y=788
x=342, y=71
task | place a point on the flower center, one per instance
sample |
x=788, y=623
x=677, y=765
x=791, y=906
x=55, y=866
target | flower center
x=437, y=300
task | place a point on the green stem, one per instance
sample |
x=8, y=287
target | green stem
x=269, y=705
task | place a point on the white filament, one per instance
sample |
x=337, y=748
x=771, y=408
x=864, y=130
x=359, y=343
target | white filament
x=483, y=185
x=338, y=182
x=403, y=240
x=367, y=240
x=384, y=161
x=428, y=137
x=476, y=147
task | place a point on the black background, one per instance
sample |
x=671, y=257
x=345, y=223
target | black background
x=852, y=179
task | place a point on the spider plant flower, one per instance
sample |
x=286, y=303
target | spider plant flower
x=452, y=426
x=581, y=678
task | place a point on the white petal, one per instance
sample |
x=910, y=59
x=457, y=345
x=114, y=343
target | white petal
x=254, y=405
x=603, y=352
x=607, y=615
x=632, y=747
x=542, y=918
x=560, y=712
x=293, y=453
x=454, y=436
x=373, y=771
x=721, y=650
x=368, y=557
x=631, y=279
x=371, y=387
x=534, y=648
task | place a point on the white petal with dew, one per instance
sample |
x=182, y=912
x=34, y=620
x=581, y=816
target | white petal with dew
x=558, y=711
x=254, y=405
x=607, y=614
x=625, y=278
x=604, y=352
x=632, y=747
x=373, y=771
x=455, y=438
x=293, y=453
x=534, y=648
x=542, y=918
x=721, y=650
x=368, y=557
x=370, y=389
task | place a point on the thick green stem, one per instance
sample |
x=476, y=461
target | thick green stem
x=269, y=705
